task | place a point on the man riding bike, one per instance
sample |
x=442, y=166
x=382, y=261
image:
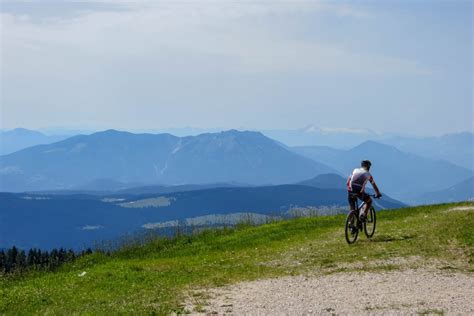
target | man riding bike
x=356, y=188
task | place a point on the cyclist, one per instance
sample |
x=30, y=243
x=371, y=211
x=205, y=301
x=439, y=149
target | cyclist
x=356, y=188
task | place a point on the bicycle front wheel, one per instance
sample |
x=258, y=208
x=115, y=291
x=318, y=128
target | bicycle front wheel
x=369, y=225
x=351, y=230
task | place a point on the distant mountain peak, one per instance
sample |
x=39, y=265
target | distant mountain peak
x=22, y=132
x=21, y=129
x=326, y=181
x=371, y=145
x=336, y=130
x=112, y=132
x=311, y=129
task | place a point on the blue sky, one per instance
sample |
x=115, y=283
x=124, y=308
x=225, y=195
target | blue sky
x=402, y=67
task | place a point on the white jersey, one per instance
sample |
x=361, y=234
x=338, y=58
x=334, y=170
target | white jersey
x=357, y=181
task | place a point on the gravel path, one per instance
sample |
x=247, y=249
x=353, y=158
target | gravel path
x=365, y=293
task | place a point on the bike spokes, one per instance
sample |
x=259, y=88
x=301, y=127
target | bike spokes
x=369, y=225
x=351, y=229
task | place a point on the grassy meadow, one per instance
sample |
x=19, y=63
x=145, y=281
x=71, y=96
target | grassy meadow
x=155, y=278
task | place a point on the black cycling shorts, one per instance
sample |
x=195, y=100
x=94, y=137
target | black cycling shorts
x=352, y=197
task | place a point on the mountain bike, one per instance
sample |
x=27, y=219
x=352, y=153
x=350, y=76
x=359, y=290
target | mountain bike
x=354, y=224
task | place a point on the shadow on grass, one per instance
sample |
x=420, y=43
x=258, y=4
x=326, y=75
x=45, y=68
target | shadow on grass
x=390, y=238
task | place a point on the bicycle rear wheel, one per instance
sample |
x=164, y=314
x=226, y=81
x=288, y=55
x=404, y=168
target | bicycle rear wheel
x=351, y=229
x=369, y=225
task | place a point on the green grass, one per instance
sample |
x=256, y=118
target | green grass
x=154, y=278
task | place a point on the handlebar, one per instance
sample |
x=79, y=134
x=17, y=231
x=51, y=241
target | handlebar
x=371, y=195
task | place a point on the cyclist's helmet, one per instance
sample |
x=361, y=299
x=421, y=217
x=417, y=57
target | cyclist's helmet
x=366, y=164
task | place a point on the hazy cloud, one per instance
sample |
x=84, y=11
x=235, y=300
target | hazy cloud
x=184, y=36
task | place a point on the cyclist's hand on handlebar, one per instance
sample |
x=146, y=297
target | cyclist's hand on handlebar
x=378, y=196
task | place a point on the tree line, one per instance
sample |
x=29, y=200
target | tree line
x=16, y=260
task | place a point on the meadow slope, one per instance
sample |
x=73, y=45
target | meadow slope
x=161, y=275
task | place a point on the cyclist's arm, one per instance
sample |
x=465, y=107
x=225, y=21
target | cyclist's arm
x=376, y=188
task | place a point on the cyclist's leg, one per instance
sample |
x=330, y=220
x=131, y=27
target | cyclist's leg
x=352, y=198
x=368, y=202
x=352, y=201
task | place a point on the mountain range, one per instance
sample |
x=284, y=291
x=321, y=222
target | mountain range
x=403, y=175
x=457, y=148
x=111, y=160
x=231, y=156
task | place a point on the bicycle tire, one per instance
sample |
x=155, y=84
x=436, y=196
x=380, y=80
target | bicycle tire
x=370, y=223
x=351, y=234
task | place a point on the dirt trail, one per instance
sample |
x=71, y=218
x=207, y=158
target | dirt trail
x=367, y=293
x=461, y=208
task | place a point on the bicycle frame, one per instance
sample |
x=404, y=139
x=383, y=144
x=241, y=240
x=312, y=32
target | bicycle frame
x=353, y=219
x=359, y=207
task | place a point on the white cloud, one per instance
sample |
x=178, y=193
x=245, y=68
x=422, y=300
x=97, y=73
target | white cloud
x=187, y=36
